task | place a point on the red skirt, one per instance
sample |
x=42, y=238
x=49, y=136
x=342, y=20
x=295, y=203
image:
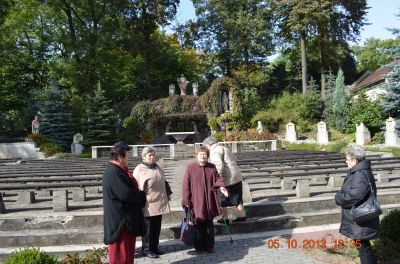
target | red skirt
x=122, y=251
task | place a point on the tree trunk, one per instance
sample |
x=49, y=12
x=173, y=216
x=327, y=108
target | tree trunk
x=228, y=63
x=323, y=75
x=303, y=62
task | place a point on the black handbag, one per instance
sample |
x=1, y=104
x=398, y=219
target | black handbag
x=368, y=210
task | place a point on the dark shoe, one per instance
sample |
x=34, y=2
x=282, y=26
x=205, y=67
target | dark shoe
x=158, y=252
x=223, y=221
x=150, y=254
x=239, y=219
x=210, y=250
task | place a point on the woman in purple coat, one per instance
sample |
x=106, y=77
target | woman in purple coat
x=199, y=194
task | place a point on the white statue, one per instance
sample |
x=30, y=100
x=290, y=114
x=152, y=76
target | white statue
x=182, y=83
x=259, y=127
x=35, y=125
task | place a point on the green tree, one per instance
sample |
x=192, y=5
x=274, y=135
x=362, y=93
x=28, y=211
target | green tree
x=328, y=109
x=373, y=53
x=391, y=102
x=364, y=111
x=310, y=107
x=340, y=103
x=101, y=123
x=238, y=32
x=328, y=23
x=55, y=120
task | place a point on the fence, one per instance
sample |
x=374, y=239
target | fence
x=168, y=151
x=245, y=146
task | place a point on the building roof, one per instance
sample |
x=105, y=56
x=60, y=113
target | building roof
x=371, y=79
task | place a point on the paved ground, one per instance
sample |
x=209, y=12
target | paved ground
x=253, y=248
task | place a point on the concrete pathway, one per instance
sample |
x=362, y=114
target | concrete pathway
x=257, y=248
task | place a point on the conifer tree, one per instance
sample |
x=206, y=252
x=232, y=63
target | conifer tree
x=391, y=102
x=101, y=120
x=328, y=110
x=55, y=120
x=340, y=102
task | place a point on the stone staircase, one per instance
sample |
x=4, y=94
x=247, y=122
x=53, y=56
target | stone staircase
x=272, y=208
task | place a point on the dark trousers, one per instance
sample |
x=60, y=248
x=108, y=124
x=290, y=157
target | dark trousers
x=367, y=256
x=153, y=228
x=204, y=235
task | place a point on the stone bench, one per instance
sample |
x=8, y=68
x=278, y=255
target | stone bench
x=304, y=189
x=59, y=195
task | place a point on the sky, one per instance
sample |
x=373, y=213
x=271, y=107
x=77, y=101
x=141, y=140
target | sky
x=381, y=15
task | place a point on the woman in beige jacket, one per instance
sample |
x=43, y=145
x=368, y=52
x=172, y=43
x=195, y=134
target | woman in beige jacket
x=152, y=181
x=225, y=162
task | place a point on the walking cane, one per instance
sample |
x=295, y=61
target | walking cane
x=227, y=228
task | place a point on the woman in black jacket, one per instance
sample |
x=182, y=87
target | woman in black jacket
x=123, y=203
x=355, y=190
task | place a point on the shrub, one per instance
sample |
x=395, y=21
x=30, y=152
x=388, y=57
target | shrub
x=396, y=152
x=31, y=256
x=390, y=226
x=250, y=135
x=386, y=249
x=302, y=146
x=362, y=110
x=219, y=135
x=39, y=139
x=49, y=149
x=336, y=146
x=303, y=110
x=213, y=124
x=92, y=256
x=145, y=137
x=378, y=138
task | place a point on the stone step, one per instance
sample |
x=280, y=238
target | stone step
x=275, y=206
x=93, y=235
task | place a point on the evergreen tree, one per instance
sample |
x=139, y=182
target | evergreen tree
x=101, y=120
x=340, y=102
x=55, y=120
x=330, y=88
x=391, y=102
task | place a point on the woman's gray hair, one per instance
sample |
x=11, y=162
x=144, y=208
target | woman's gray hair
x=147, y=150
x=210, y=141
x=356, y=152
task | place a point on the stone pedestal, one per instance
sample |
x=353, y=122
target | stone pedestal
x=60, y=201
x=246, y=193
x=322, y=134
x=291, y=135
x=26, y=197
x=2, y=206
x=76, y=148
x=391, y=135
x=335, y=181
x=363, y=135
x=286, y=184
x=79, y=195
x=92, y=189
x=303, y=189
x=382, y=178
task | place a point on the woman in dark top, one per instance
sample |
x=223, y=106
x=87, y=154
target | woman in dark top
x=356, y=189
x=123, y=203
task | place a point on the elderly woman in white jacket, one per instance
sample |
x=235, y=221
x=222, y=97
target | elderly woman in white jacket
x=152, y=181
x=225, y=162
